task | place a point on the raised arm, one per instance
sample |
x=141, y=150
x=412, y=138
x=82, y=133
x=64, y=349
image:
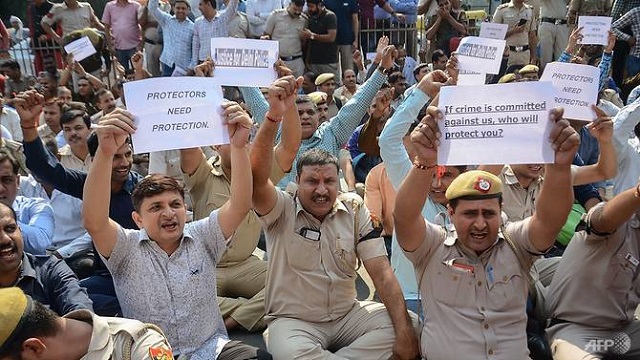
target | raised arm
x=607, y=165
x=349, y=116
x=290, y=132
x=236, y=208
x=556, y=197
x=230, y=12
x=42, y=163
x=615, y=212
x=161, y=16
x=282, y=96
x=113, y=131
x=409, y=225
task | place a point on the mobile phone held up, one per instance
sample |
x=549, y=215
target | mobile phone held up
x=522, y=22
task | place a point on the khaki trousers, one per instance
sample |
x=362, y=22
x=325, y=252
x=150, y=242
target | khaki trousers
x=365, y=332
x=553, y=41
x=241, y=292
x=572, y=341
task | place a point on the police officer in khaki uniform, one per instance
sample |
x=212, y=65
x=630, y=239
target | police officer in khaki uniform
x=593, y=296
x=316, y=242
x=521, y=37
x=473, y=280
x=27, y=328
x=553, y=30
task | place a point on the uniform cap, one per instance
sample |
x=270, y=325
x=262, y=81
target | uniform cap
x=507, y=79
x=323, y=78
x=14, y=305
x=318, y=97
x=529, y=69
x=474, y=185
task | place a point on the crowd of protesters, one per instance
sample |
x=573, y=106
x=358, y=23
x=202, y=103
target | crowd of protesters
x=331, y=174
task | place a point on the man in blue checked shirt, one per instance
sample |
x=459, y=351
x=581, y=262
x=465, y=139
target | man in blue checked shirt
x=177, y=34
x=331, y=135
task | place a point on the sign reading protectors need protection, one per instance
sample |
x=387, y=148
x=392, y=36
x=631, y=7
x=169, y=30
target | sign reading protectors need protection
x=176, y=113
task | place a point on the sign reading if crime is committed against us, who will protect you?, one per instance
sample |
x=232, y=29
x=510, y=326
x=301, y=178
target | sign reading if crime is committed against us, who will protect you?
x=496, y=124
x=176, y=113
x=577, y=88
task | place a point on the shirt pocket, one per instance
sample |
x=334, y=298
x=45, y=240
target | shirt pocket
x=303, y=254
x=620, y=273
x=508, y=288
x=345, y=256
x=453, y=287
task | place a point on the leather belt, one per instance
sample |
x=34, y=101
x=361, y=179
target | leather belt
x=290, y=58
x=554, y=21
x=149, y=41
x=519, y=48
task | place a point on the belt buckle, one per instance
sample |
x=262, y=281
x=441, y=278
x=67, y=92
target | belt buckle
x=558, y=21
x=519, y=48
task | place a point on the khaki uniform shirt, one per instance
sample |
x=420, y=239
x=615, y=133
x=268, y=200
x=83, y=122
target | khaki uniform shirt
x=70, y=161
x=480, y=311
x=344, y=94
x=591, y=7
x=239, y=26
x=517, y=202
x=510, y=15
x=555, y=9
x=69, y=19
x=210, y=189
x=285, y=29
x=46, y=134
x=15, y=149
x=112, y=337
x=596, y=278
x=313, y=279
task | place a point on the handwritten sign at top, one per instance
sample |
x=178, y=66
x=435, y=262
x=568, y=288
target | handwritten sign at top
x=480, y=55
x=595, y=29
x=577, y=87
x=244, y=62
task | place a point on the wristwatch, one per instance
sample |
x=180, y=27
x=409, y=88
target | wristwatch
x=313, y=36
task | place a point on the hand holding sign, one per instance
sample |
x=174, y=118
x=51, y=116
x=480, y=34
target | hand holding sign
x=575, y=37
x=113, y=130
x=238, y=124
x=29, y=105
x=282, y=69
x=282, y=95
x=432, y=82
x=426, y=137
x=205, y=69
x=602, y=127
x=564, y=139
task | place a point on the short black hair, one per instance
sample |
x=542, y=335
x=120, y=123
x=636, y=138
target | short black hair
x=316, y=157
x=153, y=185
x=182, y=1
x=38, y=321
x=298, y=3
x=437, y=54
x=72, y=114
x=5, y=155
x=395, y=77
x=315, y=2
x=11, y=64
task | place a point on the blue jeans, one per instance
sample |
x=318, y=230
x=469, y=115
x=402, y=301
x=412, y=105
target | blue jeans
x=633, y=66
x=103, y=294
x=167, y=70
x=124, y=56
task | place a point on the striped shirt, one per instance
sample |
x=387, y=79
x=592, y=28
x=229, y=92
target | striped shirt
x=632, y=19
x=177, y=36
x=204, y=30
x=330, y=135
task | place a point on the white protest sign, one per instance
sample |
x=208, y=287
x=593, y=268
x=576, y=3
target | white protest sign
x=480, y=55
x=176, y=113
x=492, y=30
x=577, y=88
x=244, y=62
x=595, y=29
x=370, y=56
x=496, y=124
x=471, y=78
x=81, y=48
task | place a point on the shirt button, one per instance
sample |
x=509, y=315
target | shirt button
x=486, y=326
x=479, y=283
x=504, y=278
x=481, y=308
x=490, y=352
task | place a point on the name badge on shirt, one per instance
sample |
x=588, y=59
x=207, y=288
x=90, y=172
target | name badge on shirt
x=630, y=258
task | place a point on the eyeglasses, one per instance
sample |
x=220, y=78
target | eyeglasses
x=309, y=112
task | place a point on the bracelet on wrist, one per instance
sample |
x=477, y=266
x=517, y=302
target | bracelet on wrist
x=29, y=127
x=272, y=119
x=421, y=166
x=637, y=193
